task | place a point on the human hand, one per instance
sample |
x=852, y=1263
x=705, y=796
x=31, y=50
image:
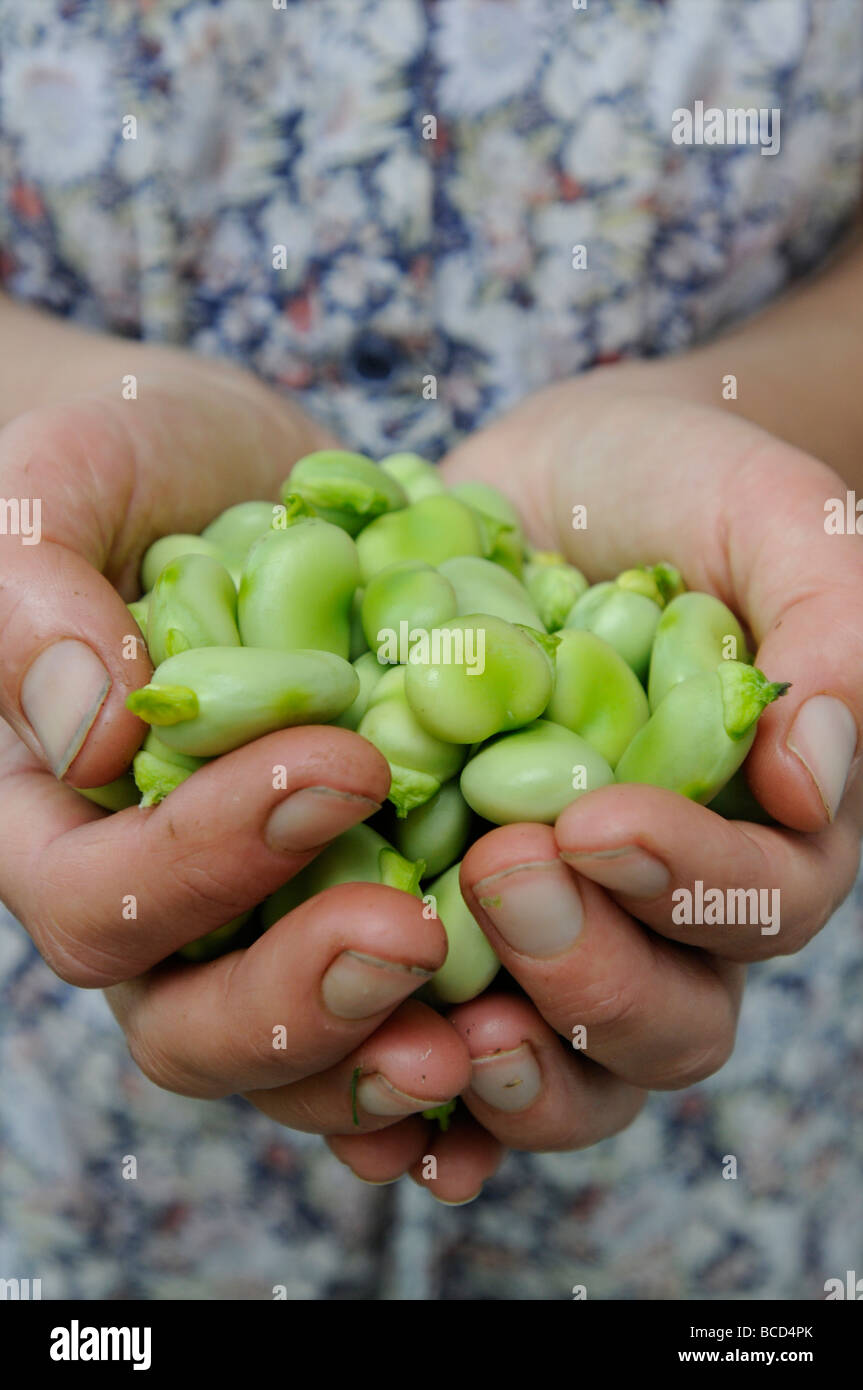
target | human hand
x=108, y=898
x=742, y=515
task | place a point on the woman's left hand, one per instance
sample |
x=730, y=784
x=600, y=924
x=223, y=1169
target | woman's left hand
x=619, y=998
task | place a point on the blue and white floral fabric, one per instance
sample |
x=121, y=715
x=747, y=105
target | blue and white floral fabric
x=349, y=196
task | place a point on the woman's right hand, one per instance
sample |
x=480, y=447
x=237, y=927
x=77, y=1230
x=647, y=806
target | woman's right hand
x=108, y=899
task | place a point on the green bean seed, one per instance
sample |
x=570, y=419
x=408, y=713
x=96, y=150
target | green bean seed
x=358, y=643
x=359, y=855
x=694, y=634
x=235, y=531
x=484, y=587
x=210, y=700
x=532, y=775
x=406, y=597
x=419, y=762
x=218, y=942
x=596, y=694
x=471, y=963
x=737, y=802
x=432, y=530
x=661, y=582
x=369, y=671
x=138, y=609
x=479, y=676
x=170, y=548
x=438, y=831
x=113, y=796
x=621, y=617
x=158, y=769
x=297, y=589
x=193, y=603
x=346, y=489
x=554, y=588
x=699, y=735
x=416, y=475
x=504, y=538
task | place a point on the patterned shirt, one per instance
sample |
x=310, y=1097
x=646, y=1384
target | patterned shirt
x=355, y=199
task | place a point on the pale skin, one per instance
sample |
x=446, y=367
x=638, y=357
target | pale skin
x=665, y=470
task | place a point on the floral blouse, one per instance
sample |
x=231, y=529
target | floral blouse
x=376, y=205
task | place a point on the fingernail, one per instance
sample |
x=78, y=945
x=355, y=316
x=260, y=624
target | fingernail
x=824, y=737
x=358, y=986
x=379, y=1182
x=535, y=907
x=507, y=1081
x=463, y=1203
x=313, y=816
x=378, y=1096
x=61, y=694
x=629, y=870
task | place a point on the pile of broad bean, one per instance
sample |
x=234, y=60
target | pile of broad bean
x=498, y=684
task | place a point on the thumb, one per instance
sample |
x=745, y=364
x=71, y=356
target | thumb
x=104, y=481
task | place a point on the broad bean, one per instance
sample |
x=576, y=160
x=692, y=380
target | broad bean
x=193, y=603
x=409, y=592
x=596, y=694
x=481, y=586
x=369, y=672
x=554, y=586
x=504, y=538
x=471, y=963
x=417, y=476
x=699, y=735
x=297, y=589
x=158, y=769
x=480, y=676
x=419, y=762
x=219, y=941
x=621, y=617
x=432, y=530
x=438, y=831
x=210, y=700
x=694, y=634
x=359, y=855
x=138, y=609
x=346, y=489
x=532, y=774
x=113, y=796
x=235, y=530
x=170, y=548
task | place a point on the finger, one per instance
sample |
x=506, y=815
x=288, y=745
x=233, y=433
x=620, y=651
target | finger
x=106, y=897
x=797, y=587
x=385, y=1156
x=414, y=1062
x=106, y=477
x=71, y=654
x=459, y=1161
x=744, y=891
x=451, y=1164
x=293, y=1004
x=653, y=1013
x=526, y=1090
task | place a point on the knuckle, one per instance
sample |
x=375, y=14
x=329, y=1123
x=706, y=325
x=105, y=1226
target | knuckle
x=76, y=960
x=164, y=1070
x=190, y=877
x=604, y=1005
x=695, y=1063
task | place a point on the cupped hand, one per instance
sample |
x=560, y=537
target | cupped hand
x=108, y=899
x=620, y=995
